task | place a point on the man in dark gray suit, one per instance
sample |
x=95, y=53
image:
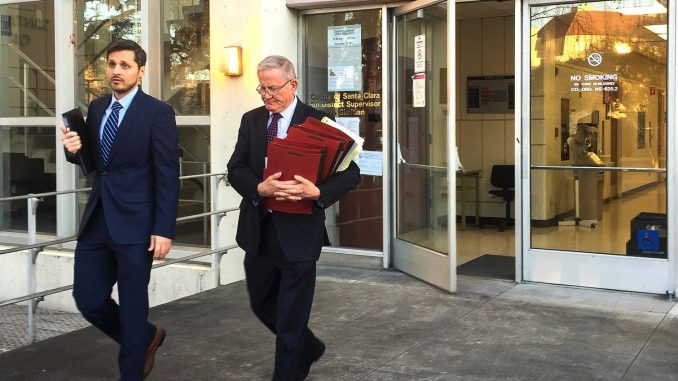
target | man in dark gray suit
x=282, y=249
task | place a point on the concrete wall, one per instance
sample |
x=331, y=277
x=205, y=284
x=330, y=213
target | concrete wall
x=55, y=269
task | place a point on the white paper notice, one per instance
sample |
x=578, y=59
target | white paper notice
x=344, y=58
x=370, y=163
x=350, y=123
x=420, y=53
x=419, y=90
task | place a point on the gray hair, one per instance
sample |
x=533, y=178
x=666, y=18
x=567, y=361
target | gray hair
x=278, y=62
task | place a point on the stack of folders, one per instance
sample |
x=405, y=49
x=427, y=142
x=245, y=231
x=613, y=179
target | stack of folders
x=314, y=150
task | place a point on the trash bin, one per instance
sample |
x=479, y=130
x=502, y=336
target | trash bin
x=648, y=236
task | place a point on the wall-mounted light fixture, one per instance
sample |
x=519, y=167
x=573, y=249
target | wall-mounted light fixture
x=622, y=47
x=233, y=61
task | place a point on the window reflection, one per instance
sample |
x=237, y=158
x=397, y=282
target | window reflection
x=186, y=59
x=344, y=79
x=27, y=56
x=27, y=165
x=598, y=104
x=194, y=195
x=98, y=22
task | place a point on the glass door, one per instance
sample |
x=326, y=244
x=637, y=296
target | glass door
x=422, y=201
x=597, y=76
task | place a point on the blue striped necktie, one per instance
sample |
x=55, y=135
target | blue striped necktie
x=110, y=128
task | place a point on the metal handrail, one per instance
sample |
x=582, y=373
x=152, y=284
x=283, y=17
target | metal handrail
x=30, y=62
x=189, y=153
x=42, y=195
x=34, y=248
x=56, y=193
x=31, y=95
x=193, y=256
x=52, y=291
x=200, y=215
x=41, y=245
x=423, y=166
x=597, y=169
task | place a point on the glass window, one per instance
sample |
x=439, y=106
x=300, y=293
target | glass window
x=421, y=129
x=27, y=165
x=98, y=22
x=342, y=76
x=27, y=56
x=194, y=196
x=598, y=127
x=186, y=58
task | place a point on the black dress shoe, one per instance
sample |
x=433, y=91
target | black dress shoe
x=305, y=365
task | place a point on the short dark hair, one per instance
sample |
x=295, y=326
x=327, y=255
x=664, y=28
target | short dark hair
x=118, y=45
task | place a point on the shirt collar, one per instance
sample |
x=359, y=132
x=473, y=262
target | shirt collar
x=126, y=100
x=289, y=111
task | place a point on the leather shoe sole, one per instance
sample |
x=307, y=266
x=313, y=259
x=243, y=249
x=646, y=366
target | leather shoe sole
x=152, y=348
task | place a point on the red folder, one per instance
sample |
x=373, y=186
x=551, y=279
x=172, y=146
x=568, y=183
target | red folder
x=318, y=127
x=333, y=146
x=291, y=160
x=293, y=143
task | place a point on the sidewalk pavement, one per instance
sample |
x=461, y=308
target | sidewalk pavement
x=382, y=325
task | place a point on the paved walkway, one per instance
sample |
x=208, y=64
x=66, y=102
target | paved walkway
x=387, y=326
x=14, y=323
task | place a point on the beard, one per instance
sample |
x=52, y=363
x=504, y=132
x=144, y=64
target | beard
x=122, y=87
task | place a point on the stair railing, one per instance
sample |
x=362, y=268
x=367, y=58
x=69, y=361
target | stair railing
x=34, y=248
x=26, y=65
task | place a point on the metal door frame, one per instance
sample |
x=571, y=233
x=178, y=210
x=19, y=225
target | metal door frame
x=446, y=261
x=655, y=275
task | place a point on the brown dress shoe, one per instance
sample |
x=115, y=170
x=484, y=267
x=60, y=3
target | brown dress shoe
x=152, y=348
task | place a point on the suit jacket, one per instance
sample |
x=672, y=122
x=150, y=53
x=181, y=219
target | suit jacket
x=301, y=236
x=139, y=186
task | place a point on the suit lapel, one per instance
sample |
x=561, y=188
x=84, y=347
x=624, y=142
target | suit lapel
x=299, y=113
x=125, y=126
x=260, y=126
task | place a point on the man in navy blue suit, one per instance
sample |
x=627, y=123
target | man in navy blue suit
x=130, y=217
x=281, y=249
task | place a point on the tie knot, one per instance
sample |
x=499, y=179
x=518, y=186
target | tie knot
x=275, y=117
x=116, y=106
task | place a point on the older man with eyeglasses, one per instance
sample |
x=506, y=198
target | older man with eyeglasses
x=281, y=249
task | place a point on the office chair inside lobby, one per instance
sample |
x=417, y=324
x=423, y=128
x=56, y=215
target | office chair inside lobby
x=503, y=177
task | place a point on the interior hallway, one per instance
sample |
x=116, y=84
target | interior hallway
x=609, y=236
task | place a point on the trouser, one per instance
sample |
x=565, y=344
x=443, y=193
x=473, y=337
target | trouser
x=99, y=264
x=281, y=296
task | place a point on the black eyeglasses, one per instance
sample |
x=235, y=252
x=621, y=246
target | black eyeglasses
x=271, y=90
